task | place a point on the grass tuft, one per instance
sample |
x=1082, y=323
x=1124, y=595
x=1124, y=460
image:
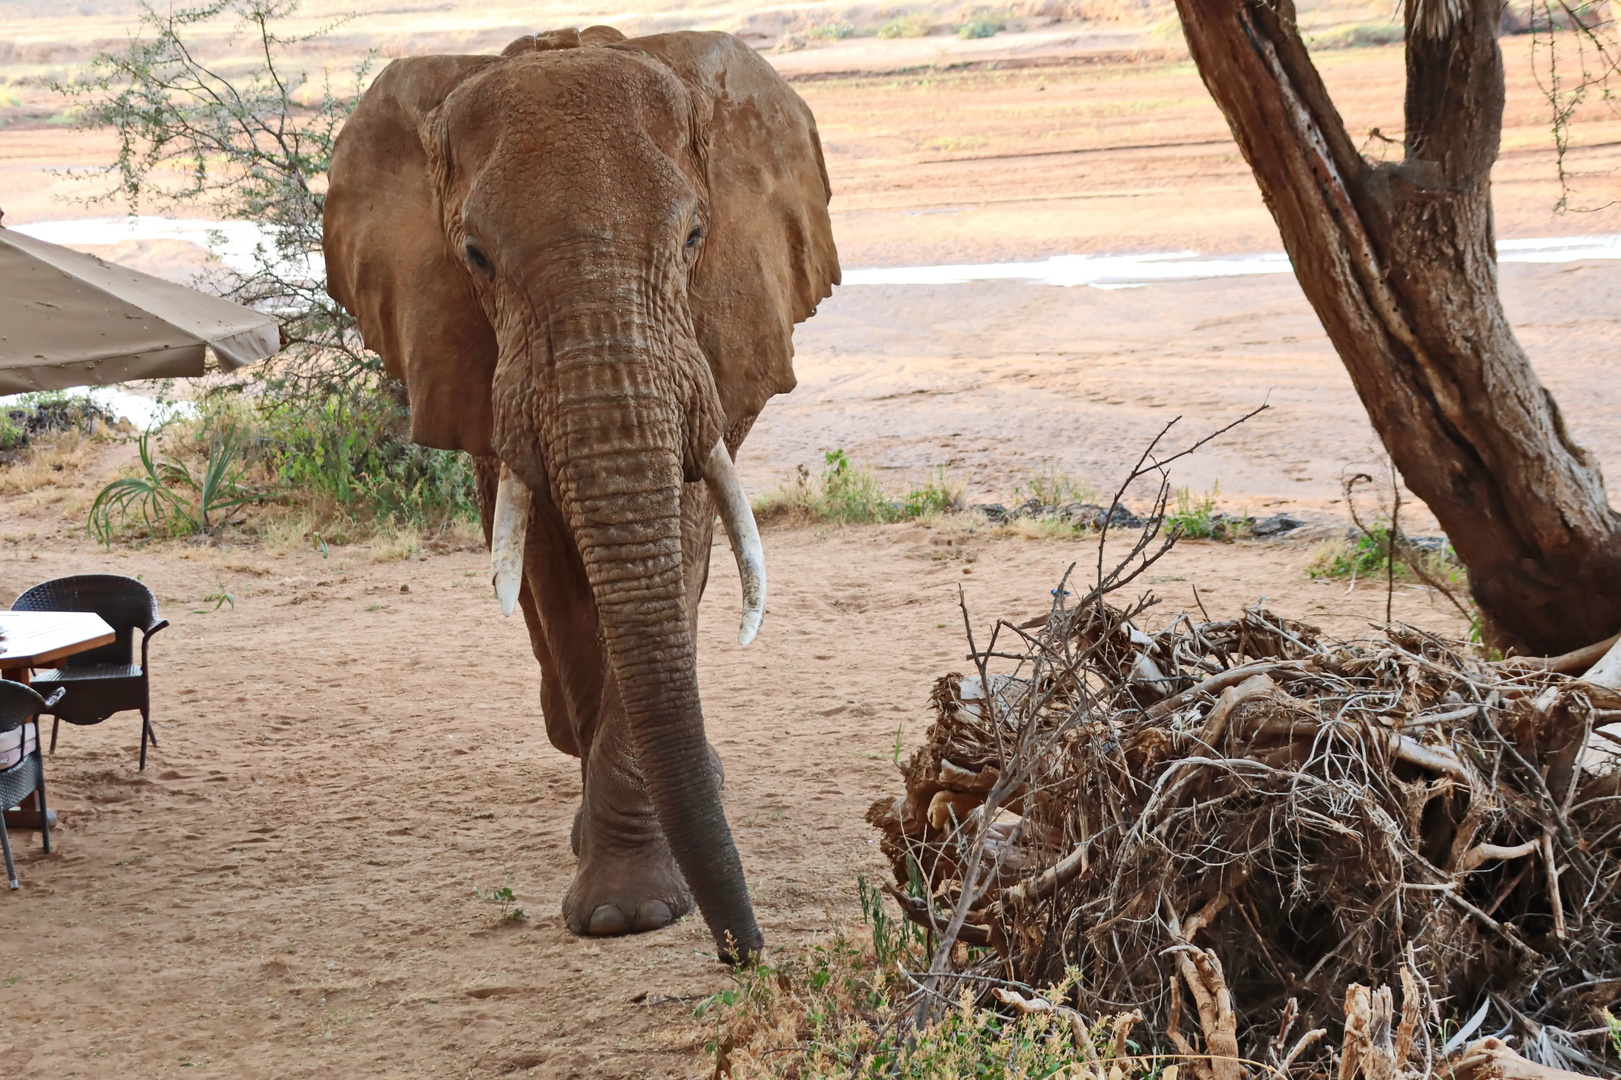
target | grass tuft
x=395, y=541
x=51, y=461
x=981, y=26
x=1195, y=515
x=847, y=493
x=833, y=31
x=1054, y=487
x=914, y=25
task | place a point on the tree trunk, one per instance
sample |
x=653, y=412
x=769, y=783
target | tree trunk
x=1399, y=260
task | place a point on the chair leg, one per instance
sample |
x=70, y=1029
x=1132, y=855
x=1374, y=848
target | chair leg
x=146, y=733
x=56, y=724
x=44, y=813
x=5, y=842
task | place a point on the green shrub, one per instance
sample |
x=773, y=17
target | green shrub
x=938, y=495
x=981, y=26
x=354, y=457
x=47, y=412
x=905, y=26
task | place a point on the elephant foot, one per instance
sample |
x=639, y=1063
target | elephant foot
x=626, y=893
x=628, y=881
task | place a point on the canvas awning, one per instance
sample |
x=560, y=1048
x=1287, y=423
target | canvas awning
x=70, y=319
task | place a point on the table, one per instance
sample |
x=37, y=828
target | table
x=31, y=639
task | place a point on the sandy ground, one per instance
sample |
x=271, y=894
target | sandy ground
x=355, y=747
x=996, y=380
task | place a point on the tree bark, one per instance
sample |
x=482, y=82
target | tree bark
x=1399, y=261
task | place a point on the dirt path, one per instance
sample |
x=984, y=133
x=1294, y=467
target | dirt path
x=355, y=747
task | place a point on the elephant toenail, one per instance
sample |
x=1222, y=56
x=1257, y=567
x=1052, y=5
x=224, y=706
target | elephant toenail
x=653, y=915
x=607, y=919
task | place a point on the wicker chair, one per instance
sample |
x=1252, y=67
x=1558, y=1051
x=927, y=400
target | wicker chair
x=20, y=707
x=107, y=680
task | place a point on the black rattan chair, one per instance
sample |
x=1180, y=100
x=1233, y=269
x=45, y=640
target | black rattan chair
x=20, y=707
x=107, y=680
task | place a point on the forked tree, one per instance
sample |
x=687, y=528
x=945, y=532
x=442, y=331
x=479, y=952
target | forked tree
x=1399, y=260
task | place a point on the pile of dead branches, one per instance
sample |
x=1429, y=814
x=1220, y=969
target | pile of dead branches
x=1227, y=824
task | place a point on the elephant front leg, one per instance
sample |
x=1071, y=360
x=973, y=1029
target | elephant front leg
x=627, y=880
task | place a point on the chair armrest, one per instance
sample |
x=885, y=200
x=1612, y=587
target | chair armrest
x=146, y=639
x=51, y=701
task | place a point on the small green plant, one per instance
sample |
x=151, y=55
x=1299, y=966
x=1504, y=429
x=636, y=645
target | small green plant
x=219, y=596
x=44, y=413
x=833, y=31
x=894, y=941
x=905, y=26
x=1366, y=556
x=169, y=498
x=1195, y=515
x=503, y=898
x=937, y=495
x=850, y=491
x=981, y=26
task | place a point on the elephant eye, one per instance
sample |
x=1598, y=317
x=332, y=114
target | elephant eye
x=477, y=258
x=695, y=235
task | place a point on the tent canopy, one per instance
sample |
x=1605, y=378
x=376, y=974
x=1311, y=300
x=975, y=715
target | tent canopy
x=70, y=319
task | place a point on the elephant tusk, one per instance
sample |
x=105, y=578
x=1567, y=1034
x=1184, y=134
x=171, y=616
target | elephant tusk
x=507, y=539
x=732, y=503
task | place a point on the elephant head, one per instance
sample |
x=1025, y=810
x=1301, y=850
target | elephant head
x=586, y=257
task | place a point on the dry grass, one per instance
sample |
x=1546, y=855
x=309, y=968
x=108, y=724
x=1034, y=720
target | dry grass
x=835, y=1006
x=394, y=541
x=461, y=534
x=1040, y=528
x=53, y=461
x=285, y=531
x=234, y=559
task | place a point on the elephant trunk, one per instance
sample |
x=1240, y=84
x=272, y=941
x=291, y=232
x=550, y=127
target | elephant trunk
x=615, y=448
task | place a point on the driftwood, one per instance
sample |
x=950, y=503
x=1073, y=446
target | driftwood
x=1227, y=824
x=1493, y=1059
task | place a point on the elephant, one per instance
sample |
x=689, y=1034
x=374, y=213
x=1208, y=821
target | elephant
x=585, y=259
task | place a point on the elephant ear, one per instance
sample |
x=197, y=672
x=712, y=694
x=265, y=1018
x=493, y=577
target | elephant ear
x=768, y=258
x=388, y=263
